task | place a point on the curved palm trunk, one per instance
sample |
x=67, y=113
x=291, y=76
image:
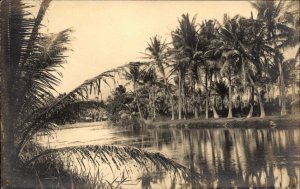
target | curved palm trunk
x=282, y=91
x=229, y=98
x=281, y=85
x=261, y=106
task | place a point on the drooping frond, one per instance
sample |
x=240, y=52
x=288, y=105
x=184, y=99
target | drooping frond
x=114, y=156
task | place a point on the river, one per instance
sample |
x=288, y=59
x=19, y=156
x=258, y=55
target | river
x=229, y=157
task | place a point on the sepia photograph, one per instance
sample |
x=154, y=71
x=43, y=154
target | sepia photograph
x=107, y=94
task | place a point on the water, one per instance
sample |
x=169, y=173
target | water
x=234, y=157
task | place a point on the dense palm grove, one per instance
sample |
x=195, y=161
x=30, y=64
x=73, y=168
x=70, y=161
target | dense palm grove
x=232, y=68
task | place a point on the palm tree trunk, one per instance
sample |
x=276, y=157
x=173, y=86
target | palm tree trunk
x=293, y=91
x=268, y=92
x=179, y=96
x=206, y=95
x=195, y=106
x=212, y=102
x=153, y=104
x=8, y=150
x=149, y=105
x=282, y=90
x=216, y=115
x=137, y=101
x=194, y=100
x=229, y=97
x=172, y=107
x=222, y=103
x=184, y=99
x=261, y=106
x=251, y=101
x=169, y=96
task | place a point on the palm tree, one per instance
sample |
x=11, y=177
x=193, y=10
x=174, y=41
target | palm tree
x=157, y=51
x=149, y=82
x=279, y=33
x=133, y=74
x=185, y=41
x=208, y=58
x=230, y=68
x=292, y=13
x=28, y=58
x=246, y=39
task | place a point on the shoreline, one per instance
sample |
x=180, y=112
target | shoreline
x=81, y=125
x=254, y=122
x=289, y=121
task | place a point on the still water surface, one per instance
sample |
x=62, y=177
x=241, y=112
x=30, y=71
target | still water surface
x=234, y=157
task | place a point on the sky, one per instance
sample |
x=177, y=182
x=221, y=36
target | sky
x=108, y=34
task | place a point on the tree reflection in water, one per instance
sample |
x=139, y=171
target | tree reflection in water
x=224, y=157
x=229, y=157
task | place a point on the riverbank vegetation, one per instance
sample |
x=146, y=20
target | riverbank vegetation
x=234, y=68
x=212, y=69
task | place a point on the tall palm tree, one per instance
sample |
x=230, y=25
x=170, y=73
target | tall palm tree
x=185, y=42
x=246, y=39
x=280, y=33
x=28, y=58
x=157, y=51
x=208, y=58
x=230, y=68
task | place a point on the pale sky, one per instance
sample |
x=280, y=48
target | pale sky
x=112, y=33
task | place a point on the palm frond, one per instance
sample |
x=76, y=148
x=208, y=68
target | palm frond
x=118, y=156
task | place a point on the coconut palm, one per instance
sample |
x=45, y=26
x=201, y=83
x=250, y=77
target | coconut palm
x=230, y=68
x=133, y=74
x=208, y=58
x=149, y=81
x=246, y=38
x=292, y=13
x=28, y=58
x=157, y=51
x=185, y=41
x=280, y=33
